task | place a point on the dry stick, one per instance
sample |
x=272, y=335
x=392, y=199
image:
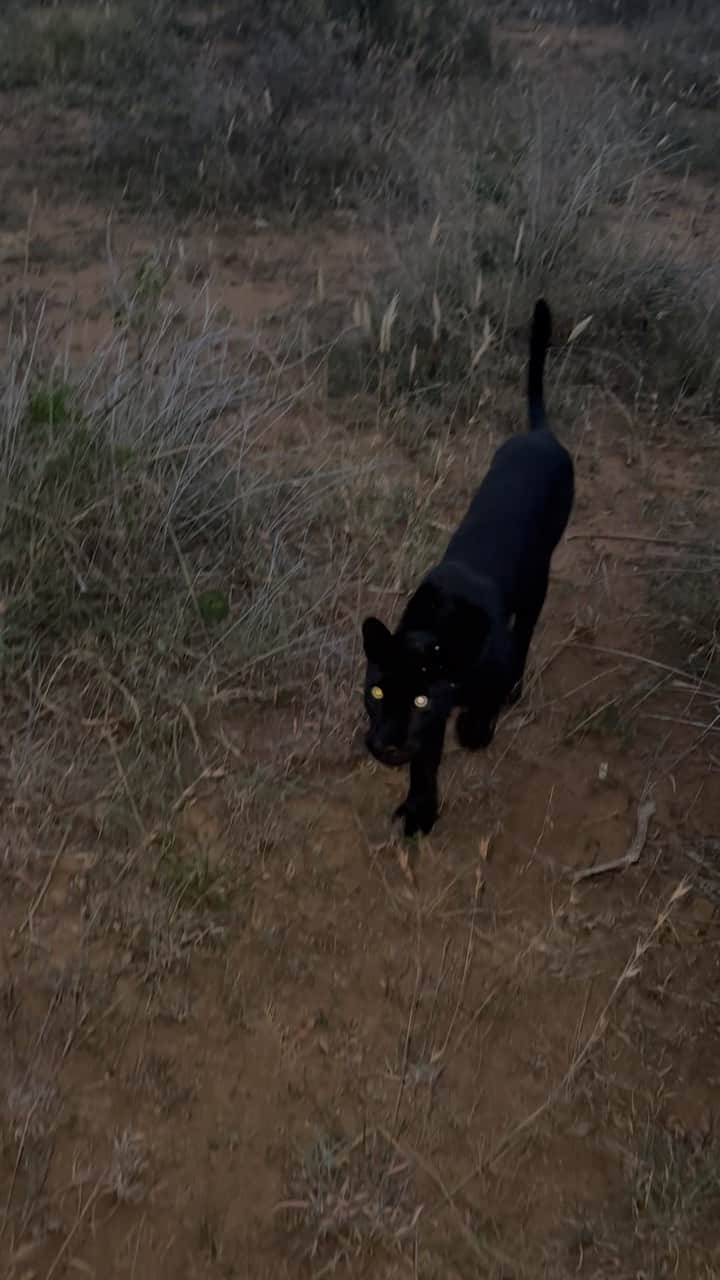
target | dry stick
x=125, y=784
x=682, y=720
x=709, y=728
x=648, y=662
x=439, y=981
x=648, y=693
x=593, y=716
x=479, y=886
x=645, y=812
x=581, y=1020
x=639, y=537
x=189, y=584
x=486, y=1252
x=18, y=1161
x=630, y=970
x=190, y=721
x=46, y=883
x=94, y=1194
x=505, y=982
x=406, y=1049
x=141, y=1227
x=571, y=693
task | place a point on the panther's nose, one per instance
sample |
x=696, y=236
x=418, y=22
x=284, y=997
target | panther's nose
x=385, y=752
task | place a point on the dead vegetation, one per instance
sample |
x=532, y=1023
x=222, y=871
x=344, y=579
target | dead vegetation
x=220, y=982
x=351, y=1196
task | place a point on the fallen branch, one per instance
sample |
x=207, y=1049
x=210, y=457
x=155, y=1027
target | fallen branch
x=30, y=917
x=644, y=814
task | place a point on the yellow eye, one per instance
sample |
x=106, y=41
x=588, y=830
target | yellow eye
x=377, y=693
x=421, y=702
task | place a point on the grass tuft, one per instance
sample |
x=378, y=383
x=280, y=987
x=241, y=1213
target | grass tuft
x=350, y=1195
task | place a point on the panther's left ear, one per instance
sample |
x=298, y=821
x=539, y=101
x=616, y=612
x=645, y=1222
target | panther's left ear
x=377, y=642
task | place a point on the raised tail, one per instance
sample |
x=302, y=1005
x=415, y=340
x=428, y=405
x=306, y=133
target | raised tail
x=540, y=334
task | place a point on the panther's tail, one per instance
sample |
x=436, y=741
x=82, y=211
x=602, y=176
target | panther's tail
x=540, y=334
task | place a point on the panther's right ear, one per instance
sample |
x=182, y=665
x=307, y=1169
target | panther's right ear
x=377, y=641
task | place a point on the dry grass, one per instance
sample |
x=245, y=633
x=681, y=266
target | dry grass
x=688, y=609
x=290, y=111
x=497, y=182
x=352, y=1195
x=662, y=1220
x=150, y=542
x=675, y=77
x=544, y=192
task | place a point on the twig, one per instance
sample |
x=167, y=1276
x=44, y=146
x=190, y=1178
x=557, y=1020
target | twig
x=709, y=728
x=18, y=1162
x=630, y=970
x=479, y=886
x=681, y=720
x=578, y=688
x=593, y=715
x=408, y=1036
x=648, y=662
x=94, y=1195
x=480, y=1248
x=126, y=785
x=645, y=812
x=46, y=882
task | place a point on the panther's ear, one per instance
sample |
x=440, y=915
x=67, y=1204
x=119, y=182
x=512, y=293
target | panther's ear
x=377, y=641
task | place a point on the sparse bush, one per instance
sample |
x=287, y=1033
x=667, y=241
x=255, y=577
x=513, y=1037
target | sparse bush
x=137, y=524
x=289, y=107
x=675, y=70
x=447, y=37
x=350, y=1194
x=78, y=49
x=549, y=200
x=288, y=120
x=676, y=1182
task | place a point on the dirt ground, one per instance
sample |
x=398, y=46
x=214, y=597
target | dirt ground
x=458, y=1061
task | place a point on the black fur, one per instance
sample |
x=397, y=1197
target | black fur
x=464, y=636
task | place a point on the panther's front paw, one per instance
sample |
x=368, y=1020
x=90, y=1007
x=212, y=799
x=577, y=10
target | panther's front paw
x=475, y=732
x=418, y=813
